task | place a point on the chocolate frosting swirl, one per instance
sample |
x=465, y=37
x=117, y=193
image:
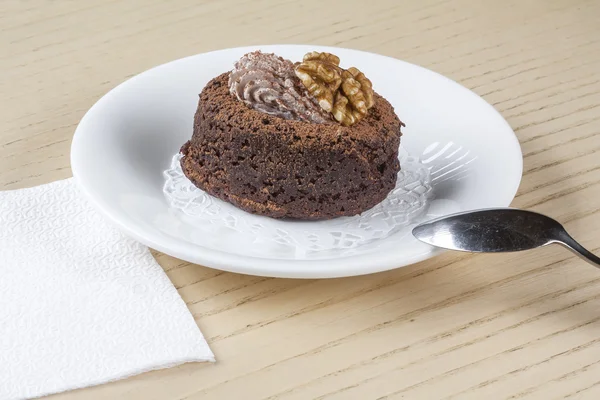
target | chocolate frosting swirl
x=269, y=84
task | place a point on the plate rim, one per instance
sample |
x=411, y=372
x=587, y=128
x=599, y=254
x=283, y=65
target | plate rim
x=351, y=265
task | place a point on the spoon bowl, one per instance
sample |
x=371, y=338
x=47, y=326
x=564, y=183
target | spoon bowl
x=498, y=230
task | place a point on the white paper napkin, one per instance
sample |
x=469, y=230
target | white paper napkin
x=80, y=303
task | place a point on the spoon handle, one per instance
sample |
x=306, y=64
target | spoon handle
x=567, y=241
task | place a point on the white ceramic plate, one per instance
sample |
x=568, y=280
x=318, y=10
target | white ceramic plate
x=128, y=138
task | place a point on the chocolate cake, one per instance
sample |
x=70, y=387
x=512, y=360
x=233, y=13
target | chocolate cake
x=289, y=166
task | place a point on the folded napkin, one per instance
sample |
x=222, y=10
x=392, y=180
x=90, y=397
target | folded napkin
x=80, y=303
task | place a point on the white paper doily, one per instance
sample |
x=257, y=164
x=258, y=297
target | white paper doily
x=402, y=206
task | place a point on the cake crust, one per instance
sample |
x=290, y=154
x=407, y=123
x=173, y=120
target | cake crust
x=281, y=168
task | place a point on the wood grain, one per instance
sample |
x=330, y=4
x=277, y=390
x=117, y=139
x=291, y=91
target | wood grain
x=519, y=326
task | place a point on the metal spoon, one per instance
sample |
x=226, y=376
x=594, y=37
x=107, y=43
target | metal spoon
x=498, y=230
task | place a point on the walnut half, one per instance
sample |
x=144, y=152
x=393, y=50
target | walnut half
x=347, y=94
x=321, y=75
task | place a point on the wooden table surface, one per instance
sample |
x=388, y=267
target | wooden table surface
x=518, y=326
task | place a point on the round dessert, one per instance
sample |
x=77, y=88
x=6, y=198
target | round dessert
x=301, y=165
